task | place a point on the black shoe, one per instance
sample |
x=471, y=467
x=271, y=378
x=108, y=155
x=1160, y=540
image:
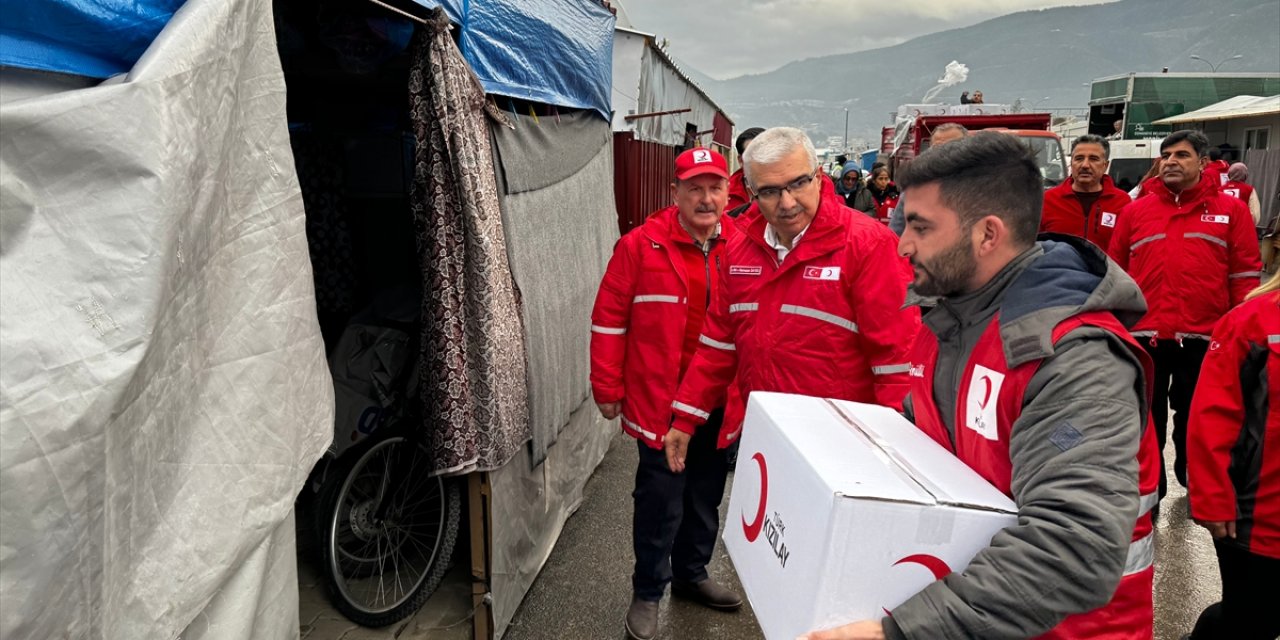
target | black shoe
x=708, y=594
x=642, y=619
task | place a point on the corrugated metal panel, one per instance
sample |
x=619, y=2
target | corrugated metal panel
x=723, y=128
x=642, y=176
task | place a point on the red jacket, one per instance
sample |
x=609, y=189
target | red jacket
x=1062, y=212
x=1128, y=616
x=738, y=194
x=827, y=322
x=1216, y=172
x=1233, y=435
x=1240, y=190
x=1194, y=254
x=638, y=325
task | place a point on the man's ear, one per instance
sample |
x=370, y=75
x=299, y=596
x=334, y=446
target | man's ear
x=989, y=233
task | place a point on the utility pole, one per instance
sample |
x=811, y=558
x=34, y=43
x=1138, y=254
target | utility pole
x=846, y=130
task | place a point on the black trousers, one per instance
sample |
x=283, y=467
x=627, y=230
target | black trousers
x=1248, y=607
x=677, y=516
x=1177, y=370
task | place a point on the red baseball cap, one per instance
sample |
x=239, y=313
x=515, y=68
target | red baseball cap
x=696, y=162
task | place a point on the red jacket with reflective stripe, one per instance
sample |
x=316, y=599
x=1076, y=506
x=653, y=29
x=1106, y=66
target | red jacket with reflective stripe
x=1194, y=254
x=1062, y=213
x=638, y=326
x=1233, y=435
x=827, y=322
x=1128, y=616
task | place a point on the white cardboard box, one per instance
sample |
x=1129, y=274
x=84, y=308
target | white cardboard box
x=841, y=511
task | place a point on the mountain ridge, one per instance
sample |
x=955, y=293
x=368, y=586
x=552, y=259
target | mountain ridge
x=1043, y=56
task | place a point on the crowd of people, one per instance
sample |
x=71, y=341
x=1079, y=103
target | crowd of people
x=1098, y=313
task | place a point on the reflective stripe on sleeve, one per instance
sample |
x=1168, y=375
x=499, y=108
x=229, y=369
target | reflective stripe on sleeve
x=1246, y=274
x=723, y=346
x=639, y=429
x=1148, y=502
x=820, y=315
x=693, y=411
x=1273, y=339
x=1204, y=236
x=611, y=331
x=656, y=298
x=1142, y=553
x=744, y=306
x=1158, y=236
x=890, y=369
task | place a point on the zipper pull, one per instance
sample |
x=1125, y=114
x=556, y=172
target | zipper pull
x=1152, y=341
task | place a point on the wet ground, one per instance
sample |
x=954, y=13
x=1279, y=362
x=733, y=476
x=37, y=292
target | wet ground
x=584, y=590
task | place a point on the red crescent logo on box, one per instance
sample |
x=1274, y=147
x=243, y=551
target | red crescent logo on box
x=937, y=567
x=752, y=529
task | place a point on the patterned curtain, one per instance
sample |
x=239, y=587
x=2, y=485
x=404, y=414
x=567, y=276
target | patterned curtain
x=474, y=375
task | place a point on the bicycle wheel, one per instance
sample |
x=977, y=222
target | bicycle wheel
x=387, y=530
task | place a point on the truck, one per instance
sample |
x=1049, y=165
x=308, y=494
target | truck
x=914, y=126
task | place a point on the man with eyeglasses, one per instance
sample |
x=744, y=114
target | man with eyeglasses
x=812, y=298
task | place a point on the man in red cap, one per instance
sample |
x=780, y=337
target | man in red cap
x=645, y=327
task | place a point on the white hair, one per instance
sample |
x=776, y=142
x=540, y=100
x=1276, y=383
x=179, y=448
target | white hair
x=775, y=144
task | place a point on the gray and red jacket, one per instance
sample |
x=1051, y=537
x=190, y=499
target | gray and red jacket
x=1033, y=382
x=1233, y=434
x=1194, y=254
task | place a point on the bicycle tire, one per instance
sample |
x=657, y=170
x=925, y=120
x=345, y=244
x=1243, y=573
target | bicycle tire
x=347, y=526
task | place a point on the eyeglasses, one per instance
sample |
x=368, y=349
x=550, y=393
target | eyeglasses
x=770, y=194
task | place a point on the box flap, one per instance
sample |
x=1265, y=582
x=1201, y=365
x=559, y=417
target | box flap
x=845, y=458
x=935, y=469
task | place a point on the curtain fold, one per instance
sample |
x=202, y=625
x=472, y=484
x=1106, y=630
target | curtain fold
x=474, y=377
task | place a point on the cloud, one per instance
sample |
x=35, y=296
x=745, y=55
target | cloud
x=727, y=38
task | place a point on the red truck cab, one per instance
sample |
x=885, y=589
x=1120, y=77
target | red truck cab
x=1032, y=128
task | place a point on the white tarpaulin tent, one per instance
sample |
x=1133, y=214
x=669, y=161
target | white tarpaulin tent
x=164, y=391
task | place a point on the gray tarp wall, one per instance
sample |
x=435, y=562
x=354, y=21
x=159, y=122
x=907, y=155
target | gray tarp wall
x=164, y=391
x=561, y=225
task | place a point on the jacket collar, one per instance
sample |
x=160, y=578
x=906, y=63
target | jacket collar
x=1201, y=190
x=662, y=227
x=1067, y=187
x=825, y=232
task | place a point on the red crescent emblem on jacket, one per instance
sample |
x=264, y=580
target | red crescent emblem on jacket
x=986, y=394
x=752, y=529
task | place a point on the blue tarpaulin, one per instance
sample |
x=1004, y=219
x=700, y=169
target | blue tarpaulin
x=557, y=52
x=94, y=38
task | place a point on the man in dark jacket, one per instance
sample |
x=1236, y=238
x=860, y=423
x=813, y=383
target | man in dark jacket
x=739, y=198
x=1060, y=429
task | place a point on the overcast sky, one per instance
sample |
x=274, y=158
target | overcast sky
x=727, y=38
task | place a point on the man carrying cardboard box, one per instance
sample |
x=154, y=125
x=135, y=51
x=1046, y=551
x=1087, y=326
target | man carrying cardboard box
x=1028, y=375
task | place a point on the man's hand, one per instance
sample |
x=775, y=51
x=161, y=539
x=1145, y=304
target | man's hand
x=1219, y=530
x=865, y=630
x=677, y=447
x=609, y=410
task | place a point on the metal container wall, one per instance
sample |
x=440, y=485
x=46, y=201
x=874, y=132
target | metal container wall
x=642, y=176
